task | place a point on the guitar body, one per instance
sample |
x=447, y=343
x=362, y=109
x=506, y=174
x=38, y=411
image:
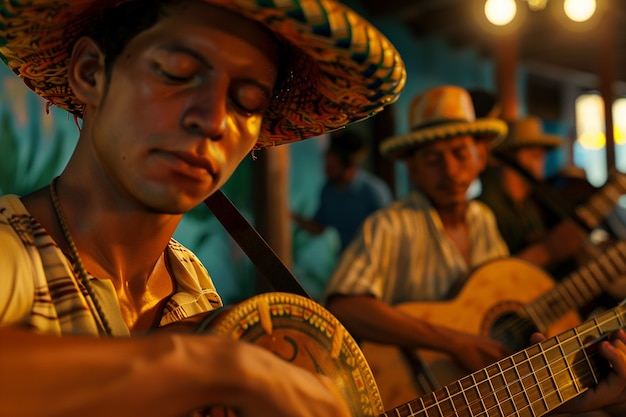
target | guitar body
x=488, y=305
x=304, y=333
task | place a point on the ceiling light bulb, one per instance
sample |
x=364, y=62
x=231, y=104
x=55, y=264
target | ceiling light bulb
x=537, y=4
x=500, y=12
x=579, y=10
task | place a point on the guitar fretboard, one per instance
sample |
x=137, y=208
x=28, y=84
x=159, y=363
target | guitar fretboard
x=527, y=384
x=600, y=204
x=579, y=288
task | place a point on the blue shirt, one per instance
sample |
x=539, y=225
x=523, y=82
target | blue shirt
x=345, y=208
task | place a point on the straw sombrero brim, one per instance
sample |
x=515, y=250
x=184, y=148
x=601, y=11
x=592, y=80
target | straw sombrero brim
x=543, y=141
x=340, y=70
x=396, y=147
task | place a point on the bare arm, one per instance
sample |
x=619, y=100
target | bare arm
x=562, y=242
x=308, y=224
x=162, y=375
x=370, y=319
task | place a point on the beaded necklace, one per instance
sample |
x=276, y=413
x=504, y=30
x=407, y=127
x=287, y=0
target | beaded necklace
x=83, y=276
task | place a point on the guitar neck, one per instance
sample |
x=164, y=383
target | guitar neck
x=578, y=288
x=529, y=383
x=600, y=204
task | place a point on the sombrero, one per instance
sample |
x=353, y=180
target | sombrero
x=528, y=132
x=440, y=113
x=340, y=70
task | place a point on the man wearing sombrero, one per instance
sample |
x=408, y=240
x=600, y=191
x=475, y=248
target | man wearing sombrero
x=169, y=96
x=510, y=195
x=418, y=248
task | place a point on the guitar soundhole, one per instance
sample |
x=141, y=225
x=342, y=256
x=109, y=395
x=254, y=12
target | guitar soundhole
x=513, y=331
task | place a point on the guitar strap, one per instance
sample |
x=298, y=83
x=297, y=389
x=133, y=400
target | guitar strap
x=252, y=243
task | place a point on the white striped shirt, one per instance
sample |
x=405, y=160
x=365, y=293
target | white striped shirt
x=39, y=289
x=402, y=253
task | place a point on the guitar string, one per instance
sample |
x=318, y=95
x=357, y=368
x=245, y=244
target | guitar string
x=515, y=326
x=591, y=355
x=511, y=397
x=507, y=398
x=616, y=250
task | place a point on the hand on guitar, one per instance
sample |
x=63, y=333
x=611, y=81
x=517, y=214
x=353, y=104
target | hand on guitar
x=610, y=393
x=275, y=388
x=563, y=241
x=476, y=352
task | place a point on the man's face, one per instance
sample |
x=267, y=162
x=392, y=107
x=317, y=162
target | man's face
x=445, y=169
x=184, y=106
x=533, y=159
x=335, y=171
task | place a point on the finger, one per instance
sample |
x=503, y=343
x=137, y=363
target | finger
x=536, y=338
x=334, y=389
x=615, y=352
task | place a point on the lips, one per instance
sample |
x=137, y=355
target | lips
x=190, y=164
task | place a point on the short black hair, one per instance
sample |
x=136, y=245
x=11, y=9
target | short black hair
x=119, y=25
x=349, y=147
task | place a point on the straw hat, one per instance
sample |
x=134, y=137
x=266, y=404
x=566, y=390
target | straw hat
x=340, y=68
x=441, y=113
x=528, y=132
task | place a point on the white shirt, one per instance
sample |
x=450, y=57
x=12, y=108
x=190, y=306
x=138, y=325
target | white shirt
x=402, y=253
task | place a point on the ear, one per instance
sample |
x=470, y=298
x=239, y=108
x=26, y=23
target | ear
x=86, y=71
x=482, y=153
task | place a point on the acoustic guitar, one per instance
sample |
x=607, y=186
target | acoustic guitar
x=529, y=383
x=507, y=300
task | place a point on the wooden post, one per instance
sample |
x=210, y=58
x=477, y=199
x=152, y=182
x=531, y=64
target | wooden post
x=271, y=203
x=606, y=73
x=506, y=75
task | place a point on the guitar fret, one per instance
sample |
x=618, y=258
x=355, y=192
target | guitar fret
x=529, y=383
x=577, y=296
x=592, y=284
x=497, y=403
x=602, y=202
x=483, y=396
x=606, y=263
x=619, y=258
x=578, y=288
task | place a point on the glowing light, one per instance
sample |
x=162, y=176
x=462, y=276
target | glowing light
x=590, y=121
x=579, y=10
x=500, y=12
x=619, y=121
x=537, y=4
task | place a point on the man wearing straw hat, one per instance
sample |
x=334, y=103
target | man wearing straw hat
x=420, y=247
x=510, y=196
x=170, y=96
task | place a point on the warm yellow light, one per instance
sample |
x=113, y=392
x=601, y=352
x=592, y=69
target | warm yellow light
x=500, y=12
x=619, y=121
x=537, y=4
x=579, y=10
x=590, y=121
x=592, y=140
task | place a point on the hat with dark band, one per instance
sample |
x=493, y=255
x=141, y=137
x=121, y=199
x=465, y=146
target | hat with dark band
x=528, y=132
x=440, y=113
x=340, y=68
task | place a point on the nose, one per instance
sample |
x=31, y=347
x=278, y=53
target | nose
x=206, y=111
x=450, y=165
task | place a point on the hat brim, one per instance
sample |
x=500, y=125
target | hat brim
x=491, y=130
x=340, y=68
x=543, y=141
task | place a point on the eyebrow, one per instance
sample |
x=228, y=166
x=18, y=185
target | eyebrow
x=267, y=90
